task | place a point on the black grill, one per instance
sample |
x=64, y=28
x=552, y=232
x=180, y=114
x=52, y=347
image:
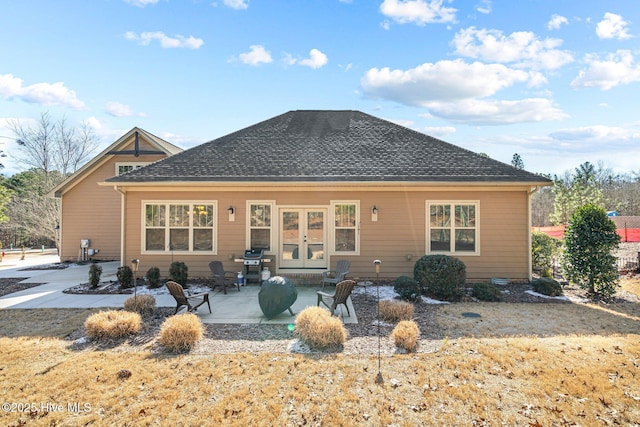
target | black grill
x=253, y=260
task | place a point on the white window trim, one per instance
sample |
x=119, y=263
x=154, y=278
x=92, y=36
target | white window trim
x=273, y=228
x=428, y=204
x=332, y=227
x=135, y=165
x=167, y=250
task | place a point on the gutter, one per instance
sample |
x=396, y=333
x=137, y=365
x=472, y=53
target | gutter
x=123, y=233
x=530, y=193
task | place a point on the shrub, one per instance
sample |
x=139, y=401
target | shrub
x=394, y=310
x=407, y=288
x=544, y=249
x=125, y=277
x=588, y=260
x=178, y=273
x=181, y=332
x=406, y=335
x=441, y=276
x=547, y=286
x=112, y=324
x=143, y=304
x=95, y=271
x=486, y=292
x=318, y=328
x=153, y=277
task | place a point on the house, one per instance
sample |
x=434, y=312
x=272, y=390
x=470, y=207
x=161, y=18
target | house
x=91, y=214
x=313, y=187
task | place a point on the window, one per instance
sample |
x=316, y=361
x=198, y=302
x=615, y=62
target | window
x=452, y=227
x=181, y=227
x=122, y=168
x=260, y=225
x=345, y=227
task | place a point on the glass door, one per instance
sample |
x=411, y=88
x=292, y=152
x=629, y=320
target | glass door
x=303, y=238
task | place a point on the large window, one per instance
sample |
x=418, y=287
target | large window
x=345, y=227
x=452, y=227
x=179, y=226
x=260, y=225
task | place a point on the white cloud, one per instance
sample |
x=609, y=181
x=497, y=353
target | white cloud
x=141, y=3
x=484, y=7
x=256, y=55
x=316, y=59
x=593, y=133
x=94, y=123
x=166, y=42
x=556, y=22
x=117, y=109
x=46, y=94
x=439, y=131
x=612, y=27
x=494, y=112
x=420, y=12
x=440, y=81
x=237, y=4
x=618, y=68
x=523, y=48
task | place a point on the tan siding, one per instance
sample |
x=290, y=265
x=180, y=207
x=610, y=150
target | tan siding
x=399, y=231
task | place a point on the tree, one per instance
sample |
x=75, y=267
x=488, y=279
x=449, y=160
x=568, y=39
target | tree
x=517, y=162
x=589, y=241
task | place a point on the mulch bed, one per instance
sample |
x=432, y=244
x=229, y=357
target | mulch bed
x=11, y=285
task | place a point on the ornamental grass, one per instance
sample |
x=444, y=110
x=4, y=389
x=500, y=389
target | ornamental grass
x=112, y=324
x=406, y=335
x=318, y=328
x=142, y=304
x=395, y=311
x=181, y=332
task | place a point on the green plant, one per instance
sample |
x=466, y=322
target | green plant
x=394, y=310
x=588, y=260
x=547, y=286
x=143, y=304
x=544, y=249
x=407, y=288
x=178, y=272
x=125, y=277
x=112, y=324
x=441, y=276
x=153, y=277
x=181, y=332
x=406, y=335
x=95, y=271
x=318, y=328
x=486, y=292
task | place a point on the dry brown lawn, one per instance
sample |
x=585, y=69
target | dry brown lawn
x=516, y=364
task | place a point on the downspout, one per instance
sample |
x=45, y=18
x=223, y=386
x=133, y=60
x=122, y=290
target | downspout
x=530, y=222
x=123, y=203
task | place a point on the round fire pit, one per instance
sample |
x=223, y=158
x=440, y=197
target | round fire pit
x=276, y=295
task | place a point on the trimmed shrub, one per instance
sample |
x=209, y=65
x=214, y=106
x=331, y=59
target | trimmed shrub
x=407, y=288
x=112, y=324
x=544, y=249
x=178, y=273
x=318, y=328
x=181, y=332
x=441, y=276
x=125, y=277
x=406, y=335
x=95, y=271
x=394, y=310
x=486, y=292
x=547, y=286
x=153, y=277
x=143, y=304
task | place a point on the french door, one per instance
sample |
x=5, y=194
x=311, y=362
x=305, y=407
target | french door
x=303, y=241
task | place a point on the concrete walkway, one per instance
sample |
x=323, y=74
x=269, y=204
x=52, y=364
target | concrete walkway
x=235, y=307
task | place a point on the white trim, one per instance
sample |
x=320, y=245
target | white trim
x=167, y=228
x=452, y=203
x=273, y=227
x=332, y=227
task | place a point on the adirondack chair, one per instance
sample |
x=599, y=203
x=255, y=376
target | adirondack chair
x=192, y=302
x=221, y=277
x=343, y=291
x=338, y=275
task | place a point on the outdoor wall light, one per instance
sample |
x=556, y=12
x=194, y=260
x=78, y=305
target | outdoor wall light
x=232, y=213
x=374, y=213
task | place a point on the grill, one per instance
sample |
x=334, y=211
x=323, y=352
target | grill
x=253, y=260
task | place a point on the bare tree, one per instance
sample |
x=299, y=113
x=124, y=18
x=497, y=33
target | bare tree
x=73, y=146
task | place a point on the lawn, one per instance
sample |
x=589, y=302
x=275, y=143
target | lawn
x=563, y=364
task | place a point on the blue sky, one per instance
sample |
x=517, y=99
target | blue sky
x=556, y=81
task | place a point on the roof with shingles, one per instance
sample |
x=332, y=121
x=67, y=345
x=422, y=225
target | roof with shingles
x=318, y=145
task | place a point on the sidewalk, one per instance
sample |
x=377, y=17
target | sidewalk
x=236, y=307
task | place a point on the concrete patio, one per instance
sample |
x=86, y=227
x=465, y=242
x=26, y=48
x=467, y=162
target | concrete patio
x=238, y=307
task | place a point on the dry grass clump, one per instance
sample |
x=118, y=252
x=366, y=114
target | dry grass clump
x=112, y=324
x=406, y=335
x=181, y=332
x=394, y=310
x=143, y=304
x=318, y=328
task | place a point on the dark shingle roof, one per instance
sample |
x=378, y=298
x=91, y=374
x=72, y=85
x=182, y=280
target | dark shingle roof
x=328, y=146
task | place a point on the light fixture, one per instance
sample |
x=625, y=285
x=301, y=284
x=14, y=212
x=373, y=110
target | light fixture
x=134, y=268
x=374, y=213
x=232, y=213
